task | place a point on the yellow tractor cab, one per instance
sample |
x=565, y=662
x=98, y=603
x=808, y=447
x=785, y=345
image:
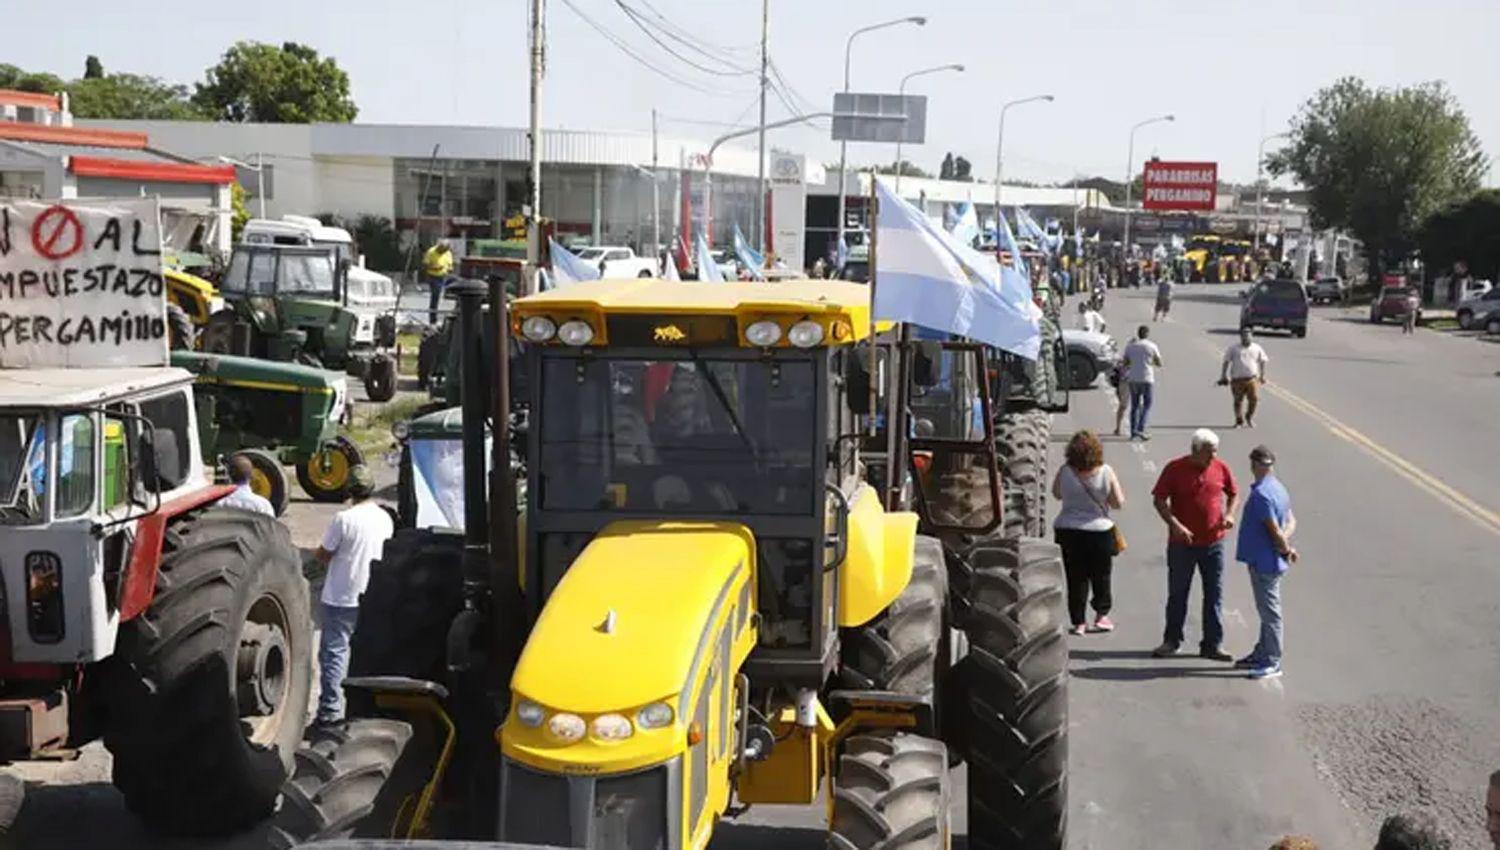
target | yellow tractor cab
x=710, y=607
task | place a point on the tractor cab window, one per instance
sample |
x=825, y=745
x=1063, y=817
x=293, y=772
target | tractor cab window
x=75, y=466
x=306, y=273
x=251, y=272
x=168, y=415
x=23, y=468
x=678, y=436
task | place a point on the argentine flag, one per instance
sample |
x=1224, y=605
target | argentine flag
x=708, y=270
x=567, y=268
x=1007, y=243
x=966, y=226
x=748, y=257
x=841, y=259
x=923, y=275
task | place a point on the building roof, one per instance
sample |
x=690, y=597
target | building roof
x=18, y=131
x=82, y=387
x=11, y=97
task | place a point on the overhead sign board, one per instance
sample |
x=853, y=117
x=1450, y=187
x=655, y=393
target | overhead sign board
x=1180, y=185
x=81, y=284
x=862, y=117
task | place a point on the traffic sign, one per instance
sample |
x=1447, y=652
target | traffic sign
x=891, y=118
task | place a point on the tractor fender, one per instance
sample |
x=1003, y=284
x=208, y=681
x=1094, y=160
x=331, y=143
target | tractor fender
x=879, y=561
x=139, y=583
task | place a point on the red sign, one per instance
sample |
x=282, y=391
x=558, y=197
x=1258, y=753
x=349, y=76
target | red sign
x=1180, y=185
x=57, y=234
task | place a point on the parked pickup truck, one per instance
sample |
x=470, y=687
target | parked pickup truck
x=617, y=261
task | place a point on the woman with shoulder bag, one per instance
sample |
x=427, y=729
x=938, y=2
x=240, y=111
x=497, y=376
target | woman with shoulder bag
x=1088, y=490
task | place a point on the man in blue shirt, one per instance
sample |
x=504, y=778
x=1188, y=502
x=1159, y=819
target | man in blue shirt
x=1264, y=546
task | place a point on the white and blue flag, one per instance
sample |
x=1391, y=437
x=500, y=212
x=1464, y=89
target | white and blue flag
x=749, y=257
x=926, y=277
x=669, y=268
x=966, y=226
x=1007, y=242
x=708, y=269
x=841, y=259
x=567, y=268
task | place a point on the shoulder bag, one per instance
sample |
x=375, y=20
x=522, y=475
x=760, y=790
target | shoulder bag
x=1116, y=533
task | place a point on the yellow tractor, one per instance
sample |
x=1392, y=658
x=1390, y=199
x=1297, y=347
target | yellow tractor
x=704, y=605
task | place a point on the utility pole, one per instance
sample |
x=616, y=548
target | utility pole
x=260, y=182
x=760, y=160
x=655, y=192
x=534, y=137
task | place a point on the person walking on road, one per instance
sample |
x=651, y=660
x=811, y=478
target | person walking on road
x=1087, y=489
x=1265, y=548
x=244, y=498
x=1089, y=319
x=1196, y=497
x=1121, y=380
x=1163, y=298
x=1244, y=371
x=1413, y=307
x=1142, y=358
x=437, y=267
x=354, y=539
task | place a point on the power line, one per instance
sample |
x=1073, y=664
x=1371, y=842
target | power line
x=640, y=22
x=629, y=51
x=694, y=42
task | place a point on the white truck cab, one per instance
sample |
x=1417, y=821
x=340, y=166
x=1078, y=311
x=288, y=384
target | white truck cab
x=617, y=261
x=369, y=294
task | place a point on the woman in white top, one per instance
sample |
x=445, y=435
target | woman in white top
x=1088, y=490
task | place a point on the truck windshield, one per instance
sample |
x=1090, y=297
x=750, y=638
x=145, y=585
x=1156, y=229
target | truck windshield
x=695, y=436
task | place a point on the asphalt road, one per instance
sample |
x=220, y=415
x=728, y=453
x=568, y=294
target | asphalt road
x=1387, y=444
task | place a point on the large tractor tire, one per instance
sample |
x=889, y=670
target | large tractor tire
x=218, y=335
x=267, y=478
x=181, y=334
x=380, y=379
x=899, y=650
x=415, y=591
x=1014, y=684
x=1021, y=442
x=209, y=686
x=340, y=773
x=890, y=790
x=325, y=476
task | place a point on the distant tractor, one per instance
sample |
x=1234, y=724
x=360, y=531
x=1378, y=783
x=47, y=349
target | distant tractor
x=138, y=612
x=302, y=301
x=275, y=415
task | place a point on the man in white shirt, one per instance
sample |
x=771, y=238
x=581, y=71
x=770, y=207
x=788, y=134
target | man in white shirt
x=1141, y=357
x=1244, y=370
x=243, y=497
x=354, y=539
x=1089, y=319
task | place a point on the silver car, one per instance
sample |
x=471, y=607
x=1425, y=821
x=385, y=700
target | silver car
x=1471, y=312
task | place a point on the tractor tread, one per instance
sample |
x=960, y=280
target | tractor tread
x=339, y=774
x=890, y=792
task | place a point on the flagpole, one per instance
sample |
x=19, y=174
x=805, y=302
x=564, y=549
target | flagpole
x=873, y=217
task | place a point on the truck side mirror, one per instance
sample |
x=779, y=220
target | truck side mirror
x=857, y=380
x=927, y=357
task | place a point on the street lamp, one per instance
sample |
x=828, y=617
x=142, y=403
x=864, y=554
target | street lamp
x=1129, y=165
x=1000, y=148
x=843, y=146
x=260, y=176
x=1260, y=185
x=902, y=92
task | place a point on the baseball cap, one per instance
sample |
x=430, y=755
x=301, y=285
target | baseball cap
x=1262, y=454
x=361, y=481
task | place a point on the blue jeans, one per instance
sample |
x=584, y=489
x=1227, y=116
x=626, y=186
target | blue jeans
x=333, y=658
x=1209, y=562
x=1267, y=589
x=1141, y=394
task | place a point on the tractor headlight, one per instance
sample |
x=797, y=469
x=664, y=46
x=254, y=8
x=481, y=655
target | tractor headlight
x=538, y=328
x=763, y=334
x=401, y=429
x=44, y=597
x=657, y=715
x=612, y=727
x=530, y=714
x=575, y=332
x=805, y=334
x=566, y=728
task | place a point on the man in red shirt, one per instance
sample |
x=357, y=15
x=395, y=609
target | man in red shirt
x=1196, y=497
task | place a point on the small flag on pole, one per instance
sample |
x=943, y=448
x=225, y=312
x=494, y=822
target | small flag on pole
x=708, y=270
x=749, y=257
x=841, y=259
x=926, y=277
x=966, y=227
x=567, y=268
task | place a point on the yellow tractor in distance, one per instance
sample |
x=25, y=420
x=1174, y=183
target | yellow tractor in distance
x=708, y=607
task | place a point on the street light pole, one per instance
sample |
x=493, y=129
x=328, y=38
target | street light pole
x=759, y=231
x=1000, y=149
x=534, y=139
x=1260, y=185
x=1129, y=165
x=843, y=146
x=655, y=192
x=902, y=92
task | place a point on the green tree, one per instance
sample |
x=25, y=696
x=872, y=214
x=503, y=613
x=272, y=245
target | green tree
x=93, y=69
x=239, y=212
x=963, y=170
x=907, y=169
x=17, y=79
x=1380, y=162
x=1464, y=232
x=131, y=96
x=289, y=84
x=945, y=171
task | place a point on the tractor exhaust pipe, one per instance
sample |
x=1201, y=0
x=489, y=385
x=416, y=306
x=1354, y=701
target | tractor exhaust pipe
x=465, y=653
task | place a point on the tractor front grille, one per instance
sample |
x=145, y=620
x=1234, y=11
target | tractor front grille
x=633, y=811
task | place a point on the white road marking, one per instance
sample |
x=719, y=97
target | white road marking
x=1138, y=448
x=1149, y=465
x=1233, y=615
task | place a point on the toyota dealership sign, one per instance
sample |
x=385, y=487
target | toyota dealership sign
x=1180, y=185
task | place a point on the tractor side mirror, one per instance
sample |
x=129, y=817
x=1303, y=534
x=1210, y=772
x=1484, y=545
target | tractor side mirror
x=926, y=365
x=857, y=380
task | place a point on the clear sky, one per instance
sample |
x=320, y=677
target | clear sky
x=1231, y=70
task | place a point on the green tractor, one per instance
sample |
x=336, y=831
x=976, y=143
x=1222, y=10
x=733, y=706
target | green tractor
x=274, y=415
x=291, y=304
